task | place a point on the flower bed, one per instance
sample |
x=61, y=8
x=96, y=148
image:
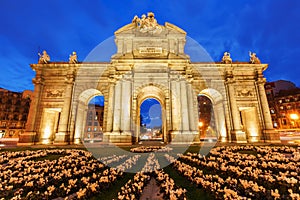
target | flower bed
x=147, y=149
x=75, y=175
x=235, y=172
x=133, y=188
x=226, y=173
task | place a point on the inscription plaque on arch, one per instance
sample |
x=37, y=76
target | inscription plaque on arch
x=150, y=50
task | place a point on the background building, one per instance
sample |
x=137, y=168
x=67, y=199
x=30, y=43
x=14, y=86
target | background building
x=14, y=109
x=94, y=123
x=284, y=102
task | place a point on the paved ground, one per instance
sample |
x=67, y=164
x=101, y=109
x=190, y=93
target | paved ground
x=151, y=191
x=9, y=144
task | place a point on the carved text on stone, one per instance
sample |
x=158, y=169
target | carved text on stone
x=54, y=93
x=150, y=50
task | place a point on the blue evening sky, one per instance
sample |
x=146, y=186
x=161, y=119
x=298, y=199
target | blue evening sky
x=151, y=112
x=270, y=28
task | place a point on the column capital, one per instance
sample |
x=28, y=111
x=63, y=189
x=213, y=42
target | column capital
x=190, y=80
x=229, y=81
x=261, y=81
x=112, y=81
x=38, y=81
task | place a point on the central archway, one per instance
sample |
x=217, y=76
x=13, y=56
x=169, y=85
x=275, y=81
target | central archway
x=156, y=93
x=150, y=120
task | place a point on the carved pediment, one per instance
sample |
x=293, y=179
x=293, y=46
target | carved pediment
x=146, y=38
x=174, y=28
x=244, y=92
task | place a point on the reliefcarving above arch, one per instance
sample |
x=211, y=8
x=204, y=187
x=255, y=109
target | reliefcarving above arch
x=214, y=95
x=88, y=94
x=151, y=90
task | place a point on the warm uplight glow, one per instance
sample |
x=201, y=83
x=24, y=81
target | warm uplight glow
x=294, y=116
x=47, y=132
x=200, y=124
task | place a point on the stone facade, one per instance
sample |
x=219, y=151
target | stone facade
x=94, y=123
x=150, y=62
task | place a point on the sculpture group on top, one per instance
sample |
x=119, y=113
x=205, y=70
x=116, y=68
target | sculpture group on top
x=226, y=59
x=73, y=58
x=253, y=58
x=45, y=58
x=147, y=24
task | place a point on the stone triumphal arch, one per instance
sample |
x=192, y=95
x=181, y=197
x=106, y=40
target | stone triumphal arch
x=150, y=62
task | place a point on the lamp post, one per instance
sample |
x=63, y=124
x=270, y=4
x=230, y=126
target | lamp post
x=200, y=125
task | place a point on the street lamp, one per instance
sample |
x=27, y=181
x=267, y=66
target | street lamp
x=294, y=117
x=200, y=125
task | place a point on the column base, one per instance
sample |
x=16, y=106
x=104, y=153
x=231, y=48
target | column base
x=117, y=137
x=77, y=141
x=223, y=139
x=184, y=137
x=254, y=139
x=271, y=136
x=27, y=138
x=238, y=136
x=61, y=138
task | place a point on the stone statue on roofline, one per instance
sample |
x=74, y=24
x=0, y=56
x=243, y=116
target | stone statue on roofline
x=44, y=58
x=147, y=24
x=226, y=58
x=73, y=58
x=253, y=58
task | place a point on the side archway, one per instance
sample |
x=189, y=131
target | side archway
x=217, y=101
x=81, y=113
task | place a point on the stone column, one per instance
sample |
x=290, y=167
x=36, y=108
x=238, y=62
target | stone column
x=193, y=120
x=270, y=135
x=264, y=106
x=80, y=123
x=176, y=111
x=190, y=97
x=220, y=119
x=29, y=136
x=135, y=116
x=178, y=105
x=184, y=107
x=125, y=117
x=237, y=135
x=174, y=102
x=117, y=107
x=110, y=107
x=63, y=135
